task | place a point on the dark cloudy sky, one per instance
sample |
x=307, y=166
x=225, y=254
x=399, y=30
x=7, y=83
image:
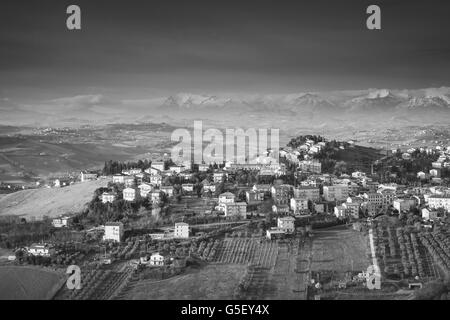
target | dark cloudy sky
x=138, y=49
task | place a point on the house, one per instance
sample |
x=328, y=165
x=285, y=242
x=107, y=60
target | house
x=176, y=169
x=60, y=222
x=275, y=233
x=157, y=260
x=118, y=178
x=129, y=194
x=181, y=230
x=186, y=175
x=187, y=187
x=319, y=207
x=218, y=177
x=335, y=192
x=235, y=209
x=152, y=171
x=265, y=188
x=406, y=156
x=44, y=250
x=159, y=165
x=308, y=192
x=131, y=172
x=352, y=208
x=155, y=196
x=113, y=231
x=404, y=204
x=62, y=182
x=254, y=196
x=87, y=176
x=156, y=179
x=300, y=205
x=286, y=224
x=145, y=189
x=203, y=167
x=168, y=190
x=281, y=194
x=108, y=197
x=128, y=181
x=340, y=211
x=280, y=209
x=208, y=186
x=439, y=201
x=429, y=214
x=310, y=166
x=226, y=197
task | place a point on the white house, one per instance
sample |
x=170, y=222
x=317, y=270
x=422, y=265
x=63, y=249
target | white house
x=187, y=187
x=286, y=224
x=129, y=194
x=159, y=165
x=113, y=231
x=156, y=259
x=60, y=222
x=226, y=197
x=108, y=197
x=168, y=190
x=40, y=250
x=87, y=176
x=238, y=209
x=299, y=205
x=145, y=189
x=181, y=230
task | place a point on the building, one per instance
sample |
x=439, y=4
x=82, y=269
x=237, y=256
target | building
x=340, y=211
x=145, y=189
x=439, y=201
x=319, y=207
x=108, y=197
x=156, y=179
x=310, y=166
x=275, y=233
x=219, y=177
x=254, y=196
x=203, y=167
x=43, y=250
x=157, y=260
x=181, y=230
x=187, y=187
x=158, y=165
x=310, y=193
x=375, y=199
x=429, y=214
x=281, y=194
x=335, y=193
x=299, y=206
x=118, y=178
x=168, y=190
x=236, y=209
x=286, y=224
x=87, y=176
x=281, y=209
x=155, y=196
x=352, y=209
x=264, y=188
x=152, y=171
x=113, y=231
x=404, y=204
x=60, y=222
x=131, y=172
x=177, y=169
x=226, y=197
x=129, y=194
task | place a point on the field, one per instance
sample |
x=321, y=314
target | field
x=210, y=282
x=339, y=249
x=49, y=201
x=28, y=283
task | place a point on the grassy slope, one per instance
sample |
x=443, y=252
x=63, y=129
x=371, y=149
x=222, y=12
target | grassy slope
x=28, y=283
x=49, y=201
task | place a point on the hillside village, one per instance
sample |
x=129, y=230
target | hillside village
x=157, y=219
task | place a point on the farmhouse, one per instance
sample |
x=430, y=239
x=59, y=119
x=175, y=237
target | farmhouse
x=157, y=259
x=113, y=231
x=181, y=230
x=40, y=250
x=87, y=176
x=286, y=224
x=275, y=233
x=145, y=189
x=129, y=194
x=108, y=197
x=60, y=222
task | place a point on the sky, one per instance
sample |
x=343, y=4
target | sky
x=141, y=49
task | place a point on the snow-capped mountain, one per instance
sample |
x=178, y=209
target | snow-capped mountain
x=374, y=101
x=426, y=103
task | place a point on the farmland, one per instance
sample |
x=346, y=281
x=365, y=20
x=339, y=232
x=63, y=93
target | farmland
x=210, y=282
x=49, y=201
x=28, y=283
